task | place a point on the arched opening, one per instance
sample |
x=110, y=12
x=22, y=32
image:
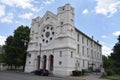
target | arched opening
x=44, y=61
x=51, y=62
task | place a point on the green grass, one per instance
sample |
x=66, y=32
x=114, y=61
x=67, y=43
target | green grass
x=114, y=77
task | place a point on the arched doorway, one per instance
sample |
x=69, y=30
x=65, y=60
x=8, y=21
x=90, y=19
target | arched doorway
x=44, y=61
x=51, y=62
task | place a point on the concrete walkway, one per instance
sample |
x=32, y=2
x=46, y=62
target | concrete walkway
x=92, y=76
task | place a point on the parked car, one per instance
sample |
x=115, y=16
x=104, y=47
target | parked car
x=41, y=72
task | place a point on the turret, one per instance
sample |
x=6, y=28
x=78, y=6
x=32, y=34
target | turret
x=66, y=15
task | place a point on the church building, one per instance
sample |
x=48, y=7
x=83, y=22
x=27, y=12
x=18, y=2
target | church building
x=58, y=46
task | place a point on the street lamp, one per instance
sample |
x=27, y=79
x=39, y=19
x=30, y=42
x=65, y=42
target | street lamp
x=25, y=45
x=39, y=57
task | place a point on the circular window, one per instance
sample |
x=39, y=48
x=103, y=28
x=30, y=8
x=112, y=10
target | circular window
x=46, y=41
x=52, y=33
x=43, y=40
x=43, y=30
x=47, y=34
x=51, y=38
x=42, y=35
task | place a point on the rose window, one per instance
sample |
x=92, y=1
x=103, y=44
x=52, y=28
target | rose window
x=47, y=34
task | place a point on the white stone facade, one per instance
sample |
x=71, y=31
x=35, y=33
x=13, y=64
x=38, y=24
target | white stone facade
x=63, y=47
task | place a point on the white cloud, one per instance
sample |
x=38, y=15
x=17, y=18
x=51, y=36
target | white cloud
x=107, y=7
x=46, y=2
x=2, y=40
x=106, y=50
x=103, y=36
x=26, y=16
x=85, y=11
x=2, y=10
x=117, y=33
x=8, y=18
x=25, y=4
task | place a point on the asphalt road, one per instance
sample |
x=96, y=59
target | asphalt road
x=7, y=75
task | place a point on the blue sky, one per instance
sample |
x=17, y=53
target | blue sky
x=98, y=18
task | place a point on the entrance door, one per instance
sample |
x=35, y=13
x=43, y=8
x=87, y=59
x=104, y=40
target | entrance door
x=44, y=61
x=51, y=59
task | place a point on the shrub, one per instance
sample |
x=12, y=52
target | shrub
x=83, y=71
x=97, y=70
x=109, y=72
x=76, y=73
x=117, y=70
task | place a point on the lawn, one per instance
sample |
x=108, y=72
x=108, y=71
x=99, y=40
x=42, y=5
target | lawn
x=114, y=77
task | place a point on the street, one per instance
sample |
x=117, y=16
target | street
x=10, y=75
x=7, y=75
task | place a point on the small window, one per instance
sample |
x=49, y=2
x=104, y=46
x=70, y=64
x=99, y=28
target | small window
x=51, y=28
x=29, y=62
x=83, y=63
x=78, y=37
x=61, y=23
x=78, y=49
x=71, y=30
x=47, y=27
x=87, y=52
x=91, y=44
x=82, y=39
x=29, y=55
x=43, y=40
x=46, y=41
x=60, y=62
x=87, y=42
x=50, y=38
x=60, y=53
x=32, y=31
x=78, y=64
x=83, y=50
x=71, y=54
x=42, y=35
x=52, y=33
x=31, y=38
x=43, y=30
x=71, y=20
x=47, y=18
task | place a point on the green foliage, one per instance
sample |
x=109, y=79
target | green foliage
x=114, y=77
x=76, y=73
x=112, y=62
x=2, y=58
x=109, y=72
x=15, y=48
x=107, y=63
x=115, y=56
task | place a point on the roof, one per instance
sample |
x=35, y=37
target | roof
x=87, y=36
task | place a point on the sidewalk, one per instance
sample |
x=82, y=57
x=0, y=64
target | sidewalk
x=88, y=77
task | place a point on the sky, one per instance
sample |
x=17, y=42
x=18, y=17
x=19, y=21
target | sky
x=98, y=18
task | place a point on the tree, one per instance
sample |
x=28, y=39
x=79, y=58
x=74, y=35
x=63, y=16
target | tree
x=115, y=56
x=15, y=47
x=8, y=47
x=106, y=62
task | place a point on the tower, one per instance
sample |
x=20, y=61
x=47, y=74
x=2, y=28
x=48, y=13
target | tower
x=65, y=16
x=65, y=40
